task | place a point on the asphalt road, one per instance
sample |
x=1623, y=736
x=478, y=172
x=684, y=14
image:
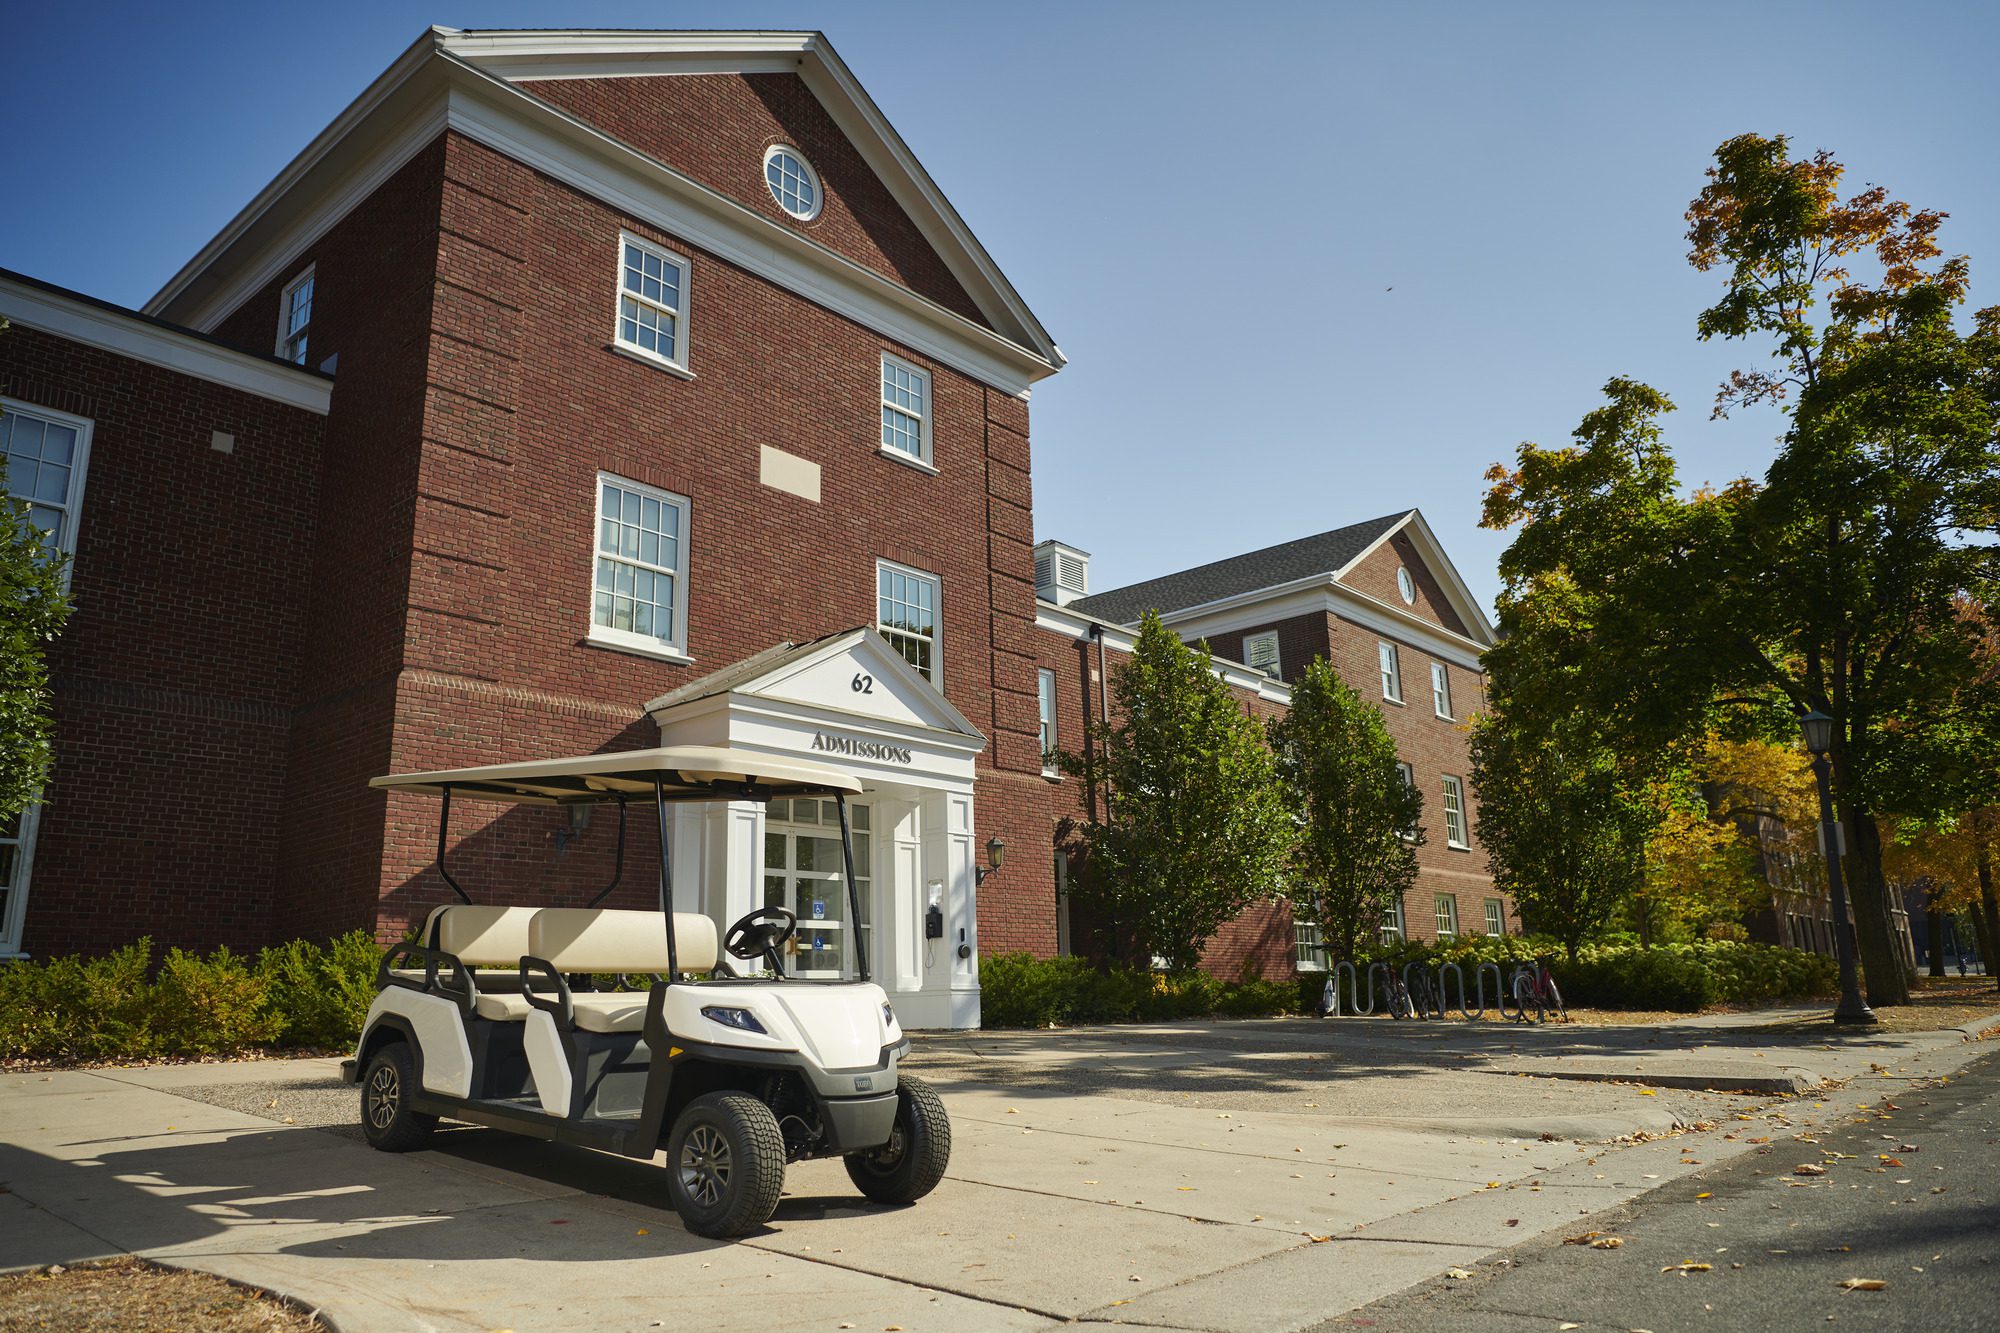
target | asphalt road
x=1912, y=1199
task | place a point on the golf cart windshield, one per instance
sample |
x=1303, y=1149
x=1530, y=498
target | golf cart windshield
x=670, y=773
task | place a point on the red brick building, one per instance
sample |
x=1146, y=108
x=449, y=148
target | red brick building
x=569, y=392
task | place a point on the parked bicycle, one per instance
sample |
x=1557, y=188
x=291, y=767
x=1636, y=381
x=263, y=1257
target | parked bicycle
x=1535, y=986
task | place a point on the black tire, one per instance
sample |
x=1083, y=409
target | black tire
x=912, y=1162
x=725, y=1165
x=1524, y=996
x=387, y=1120
x=1556, y=1001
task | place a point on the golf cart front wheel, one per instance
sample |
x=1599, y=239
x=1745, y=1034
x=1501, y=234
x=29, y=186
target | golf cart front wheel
x=387, y=1120
x=912, y=1162
x=725, y=1165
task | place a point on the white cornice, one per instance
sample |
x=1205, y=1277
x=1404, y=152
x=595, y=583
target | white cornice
x=1318, y=594
x=1074, y=625
x=433, y=84
x=80, y=320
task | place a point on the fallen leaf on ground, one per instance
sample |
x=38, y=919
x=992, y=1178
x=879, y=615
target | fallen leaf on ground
x=1607, y=1242
x=1687, y=1266
x=1705, y=1194
x=1864, y=1284
x=1456, y=1273
x=1808, y=1169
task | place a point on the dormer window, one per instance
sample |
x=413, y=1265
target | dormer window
x=794, y=184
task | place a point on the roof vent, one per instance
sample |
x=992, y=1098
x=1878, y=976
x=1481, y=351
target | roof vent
x=1062, y=573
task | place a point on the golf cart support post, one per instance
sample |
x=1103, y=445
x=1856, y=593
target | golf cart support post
x=567, y=783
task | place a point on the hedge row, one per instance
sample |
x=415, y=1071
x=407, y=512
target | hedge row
x=119, y=1007
x=1020, y=990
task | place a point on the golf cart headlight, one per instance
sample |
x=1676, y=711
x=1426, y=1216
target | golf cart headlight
x=888, y=1014
x=740, y=1019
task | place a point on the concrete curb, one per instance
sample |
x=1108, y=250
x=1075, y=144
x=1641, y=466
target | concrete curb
x=1970, y=1031
x=1781, y=1081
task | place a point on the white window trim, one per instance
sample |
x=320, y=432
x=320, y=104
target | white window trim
x=683, y=317
x=1277, y=668
x=14, y=919
x=1438, y=902
x=1408, y=771
x=1406, y=586
x=1441, y=691
x=79, y=469
x=1044, y=676
x=923, y=463
x=630, y=641
x=1452, y=782
x=812, y=174
x=1502, y=905
x=1400, y=931
x=285, y=314
x=1389, y=664
x=1307, y=957
x=937, y=614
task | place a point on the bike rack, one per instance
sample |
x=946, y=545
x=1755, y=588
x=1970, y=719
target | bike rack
x=1355, y=1006
x=1457, y=973
x=1502, y=995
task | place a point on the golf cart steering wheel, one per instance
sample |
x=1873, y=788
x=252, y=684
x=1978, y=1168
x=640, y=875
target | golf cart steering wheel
x=762, y=932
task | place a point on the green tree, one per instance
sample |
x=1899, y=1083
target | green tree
x=1195, y=827
x=33, y=608
x=1830, y=585
x=1359, y=822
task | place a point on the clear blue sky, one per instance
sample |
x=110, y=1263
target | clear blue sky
x=1311, y=263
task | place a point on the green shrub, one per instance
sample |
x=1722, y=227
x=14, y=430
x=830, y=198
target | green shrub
x=73, y=1008
x=321, y=995
x=211, y=1006
x=1020, y=990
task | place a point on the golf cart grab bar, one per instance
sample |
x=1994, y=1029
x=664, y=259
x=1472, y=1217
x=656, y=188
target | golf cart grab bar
x=563, y=1008
x=459, y=987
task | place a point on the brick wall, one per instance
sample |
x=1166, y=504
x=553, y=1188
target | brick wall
x=174, y=677
x=715, y=128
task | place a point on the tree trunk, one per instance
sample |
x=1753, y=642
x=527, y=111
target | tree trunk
x=1883, y=966
x=1989, y=909
x=1934, y=930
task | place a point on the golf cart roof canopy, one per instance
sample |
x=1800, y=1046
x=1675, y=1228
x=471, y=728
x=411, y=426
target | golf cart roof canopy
x=684, y=772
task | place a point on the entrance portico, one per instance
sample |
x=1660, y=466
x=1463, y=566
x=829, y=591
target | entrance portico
x=852, y=701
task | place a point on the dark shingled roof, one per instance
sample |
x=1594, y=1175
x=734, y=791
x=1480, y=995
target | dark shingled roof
x=1273, y=565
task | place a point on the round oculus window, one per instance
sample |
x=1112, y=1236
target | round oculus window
x=1406, y=585
x=794, y=184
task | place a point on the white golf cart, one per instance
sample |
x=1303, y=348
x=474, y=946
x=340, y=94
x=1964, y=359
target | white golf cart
x=502, y=1016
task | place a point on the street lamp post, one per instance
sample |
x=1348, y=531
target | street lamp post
x=1818, y=728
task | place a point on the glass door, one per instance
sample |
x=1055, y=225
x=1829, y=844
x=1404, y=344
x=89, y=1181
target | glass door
x=803, y=873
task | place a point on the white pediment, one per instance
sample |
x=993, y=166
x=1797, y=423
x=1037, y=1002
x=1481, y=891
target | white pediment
x=859, y=673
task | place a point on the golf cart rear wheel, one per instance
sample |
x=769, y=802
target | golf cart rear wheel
x=387, y=1120
x=725, y=1165
x=912, y=1162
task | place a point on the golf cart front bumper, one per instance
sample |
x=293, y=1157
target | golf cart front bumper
x=350, y=1071
x=853, y=1124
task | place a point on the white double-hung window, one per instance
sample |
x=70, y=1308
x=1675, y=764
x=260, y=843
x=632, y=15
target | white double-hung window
x=906, y=410
x=295, y=312
x=1441, y=690
x=639, y=597
x=652, y=302
x=1392, y=672
x=45, y=453
x=1045, y=700
x=1260, y=653
x=1447, y=915
x=1454, y=813
x=1308, y=948
x=906, y=612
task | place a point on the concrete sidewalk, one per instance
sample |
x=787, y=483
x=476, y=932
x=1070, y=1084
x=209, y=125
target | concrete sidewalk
x=1200, y=1176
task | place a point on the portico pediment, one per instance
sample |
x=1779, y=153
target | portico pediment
x=849, y=698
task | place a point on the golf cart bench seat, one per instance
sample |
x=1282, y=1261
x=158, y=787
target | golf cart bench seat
x=603, y=939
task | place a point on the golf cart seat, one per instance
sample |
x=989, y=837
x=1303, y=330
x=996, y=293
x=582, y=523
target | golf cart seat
x=604, y=939
x=480, y=937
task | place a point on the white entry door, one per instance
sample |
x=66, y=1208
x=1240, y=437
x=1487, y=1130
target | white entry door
x=804, y=873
